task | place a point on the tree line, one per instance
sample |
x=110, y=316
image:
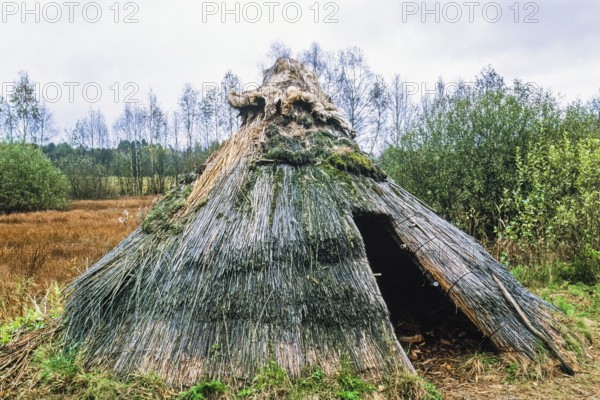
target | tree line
x=513, y=164
x=150, y=146
x=145, y=151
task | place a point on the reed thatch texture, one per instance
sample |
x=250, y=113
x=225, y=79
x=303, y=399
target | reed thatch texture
x=260, y=259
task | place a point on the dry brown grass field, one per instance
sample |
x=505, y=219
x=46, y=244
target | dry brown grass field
x=37, y=249
x=45, y=249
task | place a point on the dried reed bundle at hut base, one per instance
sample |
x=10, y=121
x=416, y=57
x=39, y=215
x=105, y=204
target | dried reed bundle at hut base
x=273, y=254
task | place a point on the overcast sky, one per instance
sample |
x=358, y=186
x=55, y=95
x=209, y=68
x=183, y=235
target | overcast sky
x=554, y=44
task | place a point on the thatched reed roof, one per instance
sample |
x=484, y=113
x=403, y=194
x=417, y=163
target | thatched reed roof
x=260, y=258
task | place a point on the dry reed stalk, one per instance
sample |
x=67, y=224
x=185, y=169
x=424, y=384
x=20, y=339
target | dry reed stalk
x=16, y=356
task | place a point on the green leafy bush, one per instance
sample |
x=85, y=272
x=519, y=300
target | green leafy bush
x=29, y=181
x=459, y=154
x=554, y=212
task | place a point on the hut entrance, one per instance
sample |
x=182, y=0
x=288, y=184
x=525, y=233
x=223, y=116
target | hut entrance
x=419, y=310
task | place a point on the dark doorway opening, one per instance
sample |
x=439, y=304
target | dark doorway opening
x=418, y=308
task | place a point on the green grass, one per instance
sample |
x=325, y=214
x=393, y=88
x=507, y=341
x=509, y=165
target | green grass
x=201, y=390
x=35, y=317
x=351, y=386
x=584, y=269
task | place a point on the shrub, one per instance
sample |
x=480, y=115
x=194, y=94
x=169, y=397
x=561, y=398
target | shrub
x=459, y=154
x=556, y=209
x=29, y=181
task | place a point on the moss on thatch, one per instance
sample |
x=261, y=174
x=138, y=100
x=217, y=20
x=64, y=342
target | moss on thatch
x=160, y=218
x=319, y=146
x=353, y=161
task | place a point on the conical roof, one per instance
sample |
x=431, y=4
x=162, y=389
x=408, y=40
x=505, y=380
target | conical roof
x=261, y=258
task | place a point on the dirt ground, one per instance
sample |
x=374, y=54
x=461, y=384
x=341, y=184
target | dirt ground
x=472, y=371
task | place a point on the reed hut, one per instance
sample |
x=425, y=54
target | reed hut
x=292, y=246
